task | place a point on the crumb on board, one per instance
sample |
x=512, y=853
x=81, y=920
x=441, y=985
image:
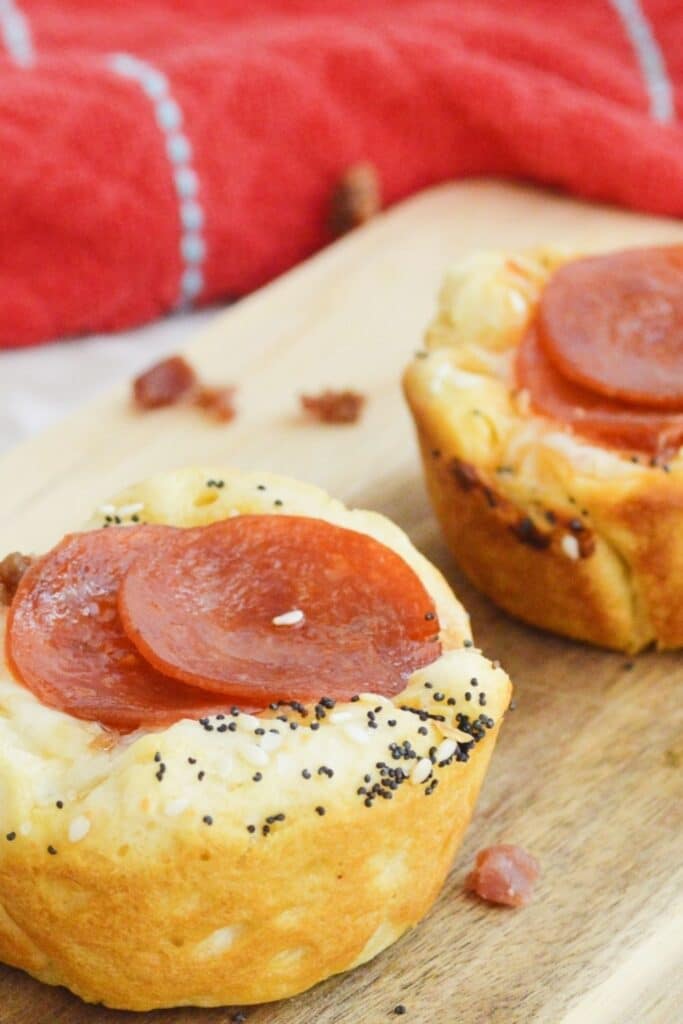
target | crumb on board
x=334, y=406
x=504, y=874
x=165, y=383
x=173, y=381
x=356, y=198
x=219, y=402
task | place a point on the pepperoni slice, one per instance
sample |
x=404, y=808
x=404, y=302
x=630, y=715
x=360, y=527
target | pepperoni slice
x=614, y=325
x=65, y=641
x=206, y=607
x=609, y=422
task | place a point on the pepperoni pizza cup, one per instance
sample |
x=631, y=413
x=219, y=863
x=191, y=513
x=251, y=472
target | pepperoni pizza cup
x=242, y=733
x=549, y=409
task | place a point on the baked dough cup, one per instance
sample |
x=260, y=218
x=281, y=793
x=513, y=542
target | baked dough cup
x=255, y=863
x=560, y=532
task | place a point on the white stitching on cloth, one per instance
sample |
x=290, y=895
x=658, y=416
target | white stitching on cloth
x=169, y=118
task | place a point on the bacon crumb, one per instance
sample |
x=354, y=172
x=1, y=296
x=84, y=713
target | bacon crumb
x=12, y=568
x=173, y=380
x=504, y=874
x=219, y=402
x=356, y=199
x=165, y=383
x=334, y=406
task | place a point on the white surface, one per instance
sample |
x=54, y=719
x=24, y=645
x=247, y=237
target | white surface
x=40, y=385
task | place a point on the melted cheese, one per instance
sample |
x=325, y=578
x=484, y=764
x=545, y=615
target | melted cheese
x=47, y=756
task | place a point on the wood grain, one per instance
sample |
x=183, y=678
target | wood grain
x=587, y=774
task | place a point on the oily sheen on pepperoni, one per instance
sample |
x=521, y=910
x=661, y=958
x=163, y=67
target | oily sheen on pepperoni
x=201, y=607
x=65, y=641
x=650, y=431
x=614, y=324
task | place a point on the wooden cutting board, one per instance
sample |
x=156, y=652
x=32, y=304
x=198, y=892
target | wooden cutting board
x=587, y=773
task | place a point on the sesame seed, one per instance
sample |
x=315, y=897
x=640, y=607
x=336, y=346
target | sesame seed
x=251, y=828
x=59, y=805
x=200, y=776
x=421, y=771
x=306, y=774
x=291, y=618
x=207, y=819
x=341, y=716
x=445, y=750
x=78, y=829
x=570, y=546
x=175, y=807
x=399, y=1010
x=356, y=733
x=11, y=836
x=51, y=850
x=255, y=755
x=320, y=810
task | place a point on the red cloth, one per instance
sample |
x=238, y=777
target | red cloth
x=277, y=99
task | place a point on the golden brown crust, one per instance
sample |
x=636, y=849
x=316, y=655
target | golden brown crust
x=562, y=534
x=127, y=895
x=306, y=903
x=648, y=527
x=525, y=571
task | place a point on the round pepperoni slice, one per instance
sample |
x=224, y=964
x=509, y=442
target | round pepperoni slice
x=266, y=607
x=65, y=641
x=615, y=424
x=614, y=325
